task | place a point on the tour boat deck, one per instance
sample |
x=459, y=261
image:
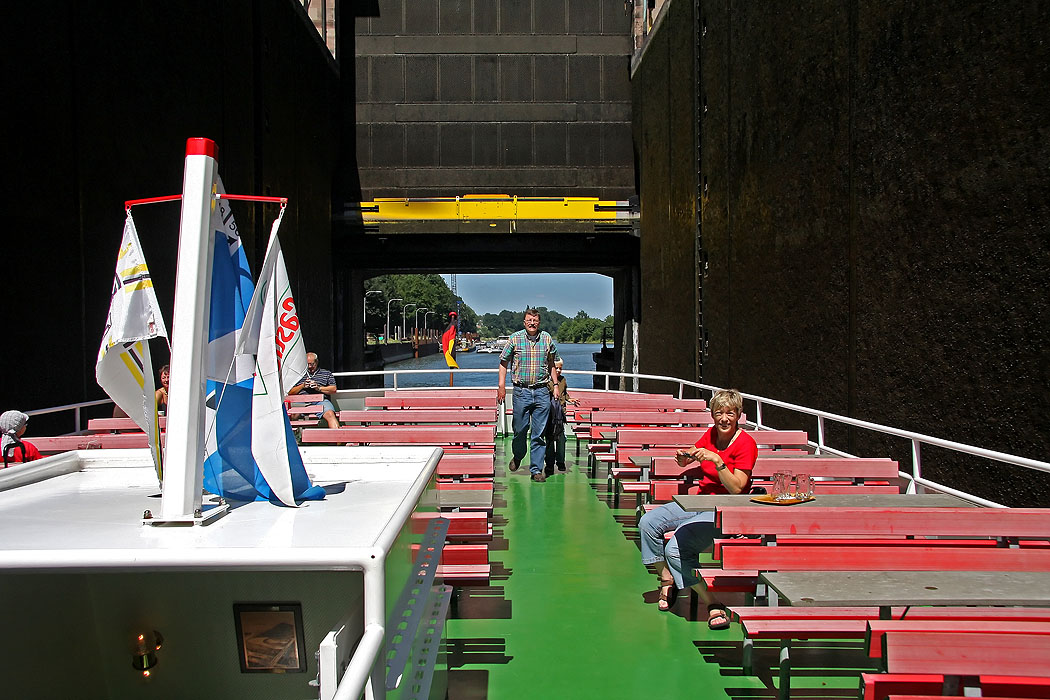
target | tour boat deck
x=571, y=612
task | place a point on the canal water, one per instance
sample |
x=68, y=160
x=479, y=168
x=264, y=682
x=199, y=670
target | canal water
x=575, y=355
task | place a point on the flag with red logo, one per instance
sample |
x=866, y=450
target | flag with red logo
x=448, y=341
x=254, y=456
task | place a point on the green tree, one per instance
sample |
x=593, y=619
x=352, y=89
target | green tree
x=426, y=291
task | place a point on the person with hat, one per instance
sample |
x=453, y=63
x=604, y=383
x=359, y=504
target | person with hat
x=15, y=450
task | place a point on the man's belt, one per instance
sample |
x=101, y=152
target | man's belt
x=530, y=386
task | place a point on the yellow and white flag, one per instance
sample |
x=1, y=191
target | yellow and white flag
x=124, y=369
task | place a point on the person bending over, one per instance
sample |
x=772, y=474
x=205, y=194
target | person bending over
x=724, y=457
x=12, y=428
x=318, y=381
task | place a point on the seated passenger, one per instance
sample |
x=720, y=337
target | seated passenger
x=318, y=381
x=12, y=427
x=725, y=455
x=162, y=392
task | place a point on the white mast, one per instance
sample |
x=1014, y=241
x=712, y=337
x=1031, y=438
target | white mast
x=184, y=461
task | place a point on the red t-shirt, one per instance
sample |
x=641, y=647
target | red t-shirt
x=15, y=455
x=741, y=454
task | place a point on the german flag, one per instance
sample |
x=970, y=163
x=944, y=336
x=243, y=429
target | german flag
x=448, y=340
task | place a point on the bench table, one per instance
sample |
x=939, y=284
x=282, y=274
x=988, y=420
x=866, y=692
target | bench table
x=888, y=588
x=698, y=504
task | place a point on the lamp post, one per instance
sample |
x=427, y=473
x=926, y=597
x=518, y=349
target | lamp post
x=364, y=310
x=404, y=319
x=422, y=308
x=386, y=329
x=425, y=320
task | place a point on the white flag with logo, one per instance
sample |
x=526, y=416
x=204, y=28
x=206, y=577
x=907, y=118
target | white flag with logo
x=271, y=332
x=124, y=368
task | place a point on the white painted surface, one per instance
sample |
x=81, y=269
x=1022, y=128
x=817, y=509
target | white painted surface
x=90, y=519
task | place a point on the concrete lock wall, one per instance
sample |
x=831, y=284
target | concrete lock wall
x=103, y=98
x=873, y=215
x=493, y=96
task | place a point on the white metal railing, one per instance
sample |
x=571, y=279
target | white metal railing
x=74, y=407
x=913, y=477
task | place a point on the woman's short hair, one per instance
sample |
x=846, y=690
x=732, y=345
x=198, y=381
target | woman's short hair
x=727, y=399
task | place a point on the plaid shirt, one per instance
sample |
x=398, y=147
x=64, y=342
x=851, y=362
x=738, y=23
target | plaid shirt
x=531, y=359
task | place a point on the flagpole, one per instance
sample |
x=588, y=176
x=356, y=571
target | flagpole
x=184, y=464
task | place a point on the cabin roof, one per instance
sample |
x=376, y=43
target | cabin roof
x=83, y=511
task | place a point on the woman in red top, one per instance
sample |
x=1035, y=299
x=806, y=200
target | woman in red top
x=725, y=456
x=12, y=427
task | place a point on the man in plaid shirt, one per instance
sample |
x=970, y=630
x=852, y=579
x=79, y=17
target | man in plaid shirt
x=533, y=353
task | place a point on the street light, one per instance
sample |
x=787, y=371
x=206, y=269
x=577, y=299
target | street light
x=425, y=320
x=422, y=308
x=404, y=319
x=386, y=328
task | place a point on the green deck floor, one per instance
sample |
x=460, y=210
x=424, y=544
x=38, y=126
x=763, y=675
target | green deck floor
x=571, y=611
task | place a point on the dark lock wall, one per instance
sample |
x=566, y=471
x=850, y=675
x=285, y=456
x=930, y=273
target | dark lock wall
x=519, y=97
x=100, y=99
x=874, y=217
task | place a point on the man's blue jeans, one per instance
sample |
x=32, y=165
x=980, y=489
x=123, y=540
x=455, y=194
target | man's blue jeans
x=531, y=407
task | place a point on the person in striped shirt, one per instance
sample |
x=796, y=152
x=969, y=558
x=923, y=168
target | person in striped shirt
x=530, y=353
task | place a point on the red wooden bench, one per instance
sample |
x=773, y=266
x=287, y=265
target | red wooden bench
x=463, y=564
x=100, y=425
x=398, y=402
x=472, y=416
x=444, y=392
x=456, y=438
x=462, y=526
x=466, y=467
x=938, y=660
x=65, y=443
x=464, y=495
x=877, y=630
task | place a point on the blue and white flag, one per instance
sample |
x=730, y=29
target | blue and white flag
x=233, y=444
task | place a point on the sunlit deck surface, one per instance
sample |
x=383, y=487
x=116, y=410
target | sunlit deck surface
x=571, y=612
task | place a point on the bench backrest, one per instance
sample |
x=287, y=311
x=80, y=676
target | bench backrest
x=955, y=654
x=65, y=443
x=835, y=467
x=429, y=402
x=405, y=435
x=788, y=557
x=106, y=424
x=885, y=522
x=304, y=398
x=962, y=624
x=420, y=415
x=670, y=437
x=466, y=465
x=460, y=393
x=642, y=418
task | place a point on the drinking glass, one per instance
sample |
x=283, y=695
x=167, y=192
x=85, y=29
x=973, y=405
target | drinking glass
x=803, y=486
x=781, y=485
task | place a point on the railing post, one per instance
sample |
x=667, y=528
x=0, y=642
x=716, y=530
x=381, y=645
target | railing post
x=916, y=466
x=76, y=419
x=758, y=411
x=820, y=434
x=606, y=381
x=395, y=381
x=681, y=390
